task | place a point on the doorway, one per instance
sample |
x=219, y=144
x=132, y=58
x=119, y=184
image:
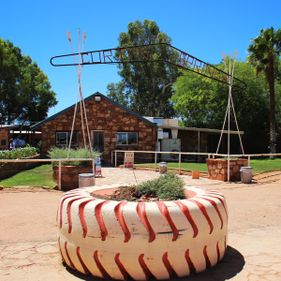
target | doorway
x=98, y=141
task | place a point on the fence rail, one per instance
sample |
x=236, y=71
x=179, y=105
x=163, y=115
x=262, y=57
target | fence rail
x=180, y=155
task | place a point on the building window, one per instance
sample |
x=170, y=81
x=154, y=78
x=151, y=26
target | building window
x=3, y=142
x=62, y=139
x=124, y=138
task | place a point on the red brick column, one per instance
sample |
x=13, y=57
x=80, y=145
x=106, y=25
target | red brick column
x=217, y=168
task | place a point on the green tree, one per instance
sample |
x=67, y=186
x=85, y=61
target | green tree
x=202, y=102
x=117, y=93
x=25, y=92
x=264, y=53
x=147, y=85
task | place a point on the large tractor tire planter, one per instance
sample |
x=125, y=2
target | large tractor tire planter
x=142, y=240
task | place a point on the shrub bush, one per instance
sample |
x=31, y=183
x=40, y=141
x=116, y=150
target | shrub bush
x=166, y=187
x=62, y=153
x=18, y=153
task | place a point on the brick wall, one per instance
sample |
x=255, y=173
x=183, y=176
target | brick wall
x=217, y=168
x=4, y=138
x=107, y=117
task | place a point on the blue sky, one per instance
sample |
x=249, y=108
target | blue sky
x=205, y=29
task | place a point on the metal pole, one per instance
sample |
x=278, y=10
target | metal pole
x=155, y=161
x=115, y=160
x=59, y=175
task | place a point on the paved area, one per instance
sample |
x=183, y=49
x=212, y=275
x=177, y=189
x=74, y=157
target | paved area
x=28, y=232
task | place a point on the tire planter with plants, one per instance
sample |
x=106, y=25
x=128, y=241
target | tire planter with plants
x=141, y=240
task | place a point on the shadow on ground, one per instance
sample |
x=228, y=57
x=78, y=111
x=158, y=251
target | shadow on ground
x=232, y=263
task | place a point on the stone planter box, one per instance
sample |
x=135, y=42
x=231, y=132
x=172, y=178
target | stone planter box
x=217, y=169
x=9, y=169
x=127, y=240
x=70, y=175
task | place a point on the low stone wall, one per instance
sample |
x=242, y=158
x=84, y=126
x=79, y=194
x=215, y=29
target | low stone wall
x=217, y=169
x=9, y=169
x=70, y=175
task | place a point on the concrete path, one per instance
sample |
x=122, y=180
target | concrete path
x=28, y=249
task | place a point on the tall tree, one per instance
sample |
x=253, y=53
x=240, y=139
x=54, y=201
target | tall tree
x=201, y=102
x=25, y=92
x=264, y=53
x=147, y=85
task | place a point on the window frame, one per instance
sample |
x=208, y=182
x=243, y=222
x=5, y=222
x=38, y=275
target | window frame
x=75, y=138
x=127, y=139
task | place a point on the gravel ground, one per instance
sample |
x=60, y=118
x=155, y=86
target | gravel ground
x=28, y=232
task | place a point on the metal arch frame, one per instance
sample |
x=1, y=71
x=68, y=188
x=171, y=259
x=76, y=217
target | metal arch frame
x=114, y=56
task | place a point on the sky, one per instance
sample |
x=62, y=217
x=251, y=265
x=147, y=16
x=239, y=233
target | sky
x=203, y=28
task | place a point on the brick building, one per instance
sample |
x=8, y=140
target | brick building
x=111, y=125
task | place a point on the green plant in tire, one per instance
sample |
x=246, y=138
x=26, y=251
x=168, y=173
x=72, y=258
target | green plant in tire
x=166, y=187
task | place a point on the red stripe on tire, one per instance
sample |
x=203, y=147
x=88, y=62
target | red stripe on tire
x=218, y=253
x=68, y=257
x=146, y=270
x=216, y=208
x=187, y=214
x=121, y=267
x=191, y=266
x=98, y=214
x=61, y=204
x=118, y=210
x=208, y=263
x=62, y=256
x=168, y=265
x=166, y=214
x=219, y=198
x=204, y=212
x=143, y=217
x=68, y=212
x=102, y=270
x=82, y=216
x=85, y=269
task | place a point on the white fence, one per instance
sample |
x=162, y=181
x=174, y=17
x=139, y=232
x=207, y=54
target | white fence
x=180, y=155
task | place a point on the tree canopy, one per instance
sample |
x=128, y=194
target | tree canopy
x=202, y=102
x=25, y=91
x=146, y=87
x=264, y=53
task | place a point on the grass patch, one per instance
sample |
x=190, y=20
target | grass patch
x=184, y=166
x=258, y=165
x=265, y=165
x=37, y=177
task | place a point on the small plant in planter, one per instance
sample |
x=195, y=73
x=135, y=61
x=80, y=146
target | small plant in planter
x=70, y=170
x=166, y=187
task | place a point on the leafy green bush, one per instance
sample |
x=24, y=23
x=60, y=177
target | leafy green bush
x=166, y=187
x=18, y=153
x=62, y=153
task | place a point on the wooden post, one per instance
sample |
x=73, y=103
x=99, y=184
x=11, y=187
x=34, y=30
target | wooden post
x=179, y=163
x=59, y=175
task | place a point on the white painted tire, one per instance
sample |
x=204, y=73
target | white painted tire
x=142, y=240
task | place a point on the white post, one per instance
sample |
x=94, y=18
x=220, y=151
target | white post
x=179, y=163
x=59, y=175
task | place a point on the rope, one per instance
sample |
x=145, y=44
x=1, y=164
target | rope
x=83, y=113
